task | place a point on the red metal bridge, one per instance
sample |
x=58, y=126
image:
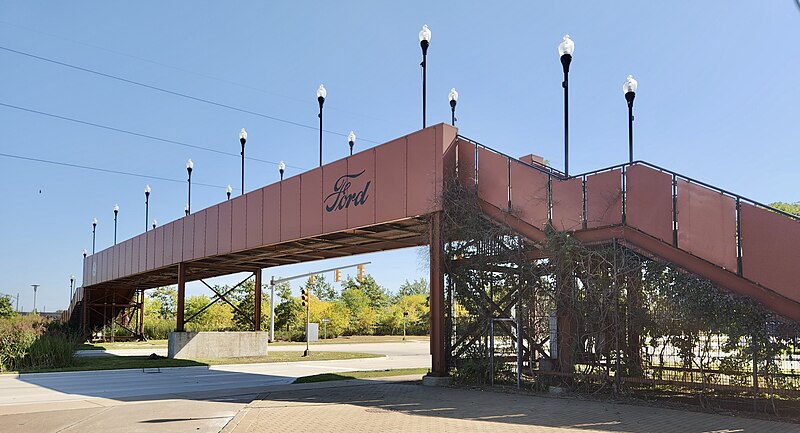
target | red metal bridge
x=389, y=197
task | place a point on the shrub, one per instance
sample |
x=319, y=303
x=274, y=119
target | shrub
x=32, y=342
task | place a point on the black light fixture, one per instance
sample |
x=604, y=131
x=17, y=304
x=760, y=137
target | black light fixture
x=243, y=140
x=189, y=168
x=351, y=140
x=629, y=89
x=453, y=97
x=146, y=206
x=94, y=233
x=71, y=286
x=155, y=223
x=565, y=50
x=85, y=253
x=281, y=168
x=186, y=209
x=228, y=191
x=321, y=94
x=424, y=42
x=116, y=212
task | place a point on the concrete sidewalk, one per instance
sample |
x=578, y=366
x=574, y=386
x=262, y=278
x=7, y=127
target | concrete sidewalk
x=381, y=406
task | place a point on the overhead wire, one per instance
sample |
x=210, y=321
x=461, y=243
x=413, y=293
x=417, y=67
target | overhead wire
x=174, y=93
x=139, y=134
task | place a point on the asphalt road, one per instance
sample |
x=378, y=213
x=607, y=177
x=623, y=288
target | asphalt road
x=199, y=399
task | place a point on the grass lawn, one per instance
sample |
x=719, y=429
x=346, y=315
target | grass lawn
x=325, y=377
x=119, y=362
x=151, y=344
x=355, y=339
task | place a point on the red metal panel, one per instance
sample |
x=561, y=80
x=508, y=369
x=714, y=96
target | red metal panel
x=311, y=203
x=648, y=202
x=159, y=262
x=493, y=178
x=529, y=194
x=224, y=228
x=770, y=253
x=239, y=223
x=212, y=230
x=361, y=209
x=255, y=211
x=142, y=252
x=107, y=262
x=466, y=163
x=567, y=204
x=290, y=208
x=177, y=241
x=151, y=249
x=168, y=229
x=389, y=191
x=121, y=259
x=271, y=222
x=118, y=257
x=707, y=224
x=604, y=199
x=130, y=257
x=199, y=249
x=188, y=237
x=421, y=169
x=102, y=266
x=334, y=219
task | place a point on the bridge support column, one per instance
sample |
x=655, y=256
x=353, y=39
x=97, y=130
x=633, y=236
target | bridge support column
x=257, y=302
x=438, y=356
x=141, y=315
x=85, y=312
x=181, y=296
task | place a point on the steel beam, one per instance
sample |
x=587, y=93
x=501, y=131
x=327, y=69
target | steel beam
x=257, y=302
x=181, y=296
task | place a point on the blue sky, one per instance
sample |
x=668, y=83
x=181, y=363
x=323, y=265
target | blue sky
x=717, y=101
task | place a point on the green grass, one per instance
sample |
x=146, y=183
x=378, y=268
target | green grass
x=89, y=363
x=150, y=344
x=326, y=377
x=358, y=339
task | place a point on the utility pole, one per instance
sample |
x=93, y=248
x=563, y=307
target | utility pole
x=35, y=286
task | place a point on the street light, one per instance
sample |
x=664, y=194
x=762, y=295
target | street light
x=85, y=253
x=155, y=223
x=629, y=89
x=565, y=49
x=281, y=168
x=228, y=191
x=71, y=286
x=35, y=286
x=321, y=94
x=243, y=140
x=424, y=42
x=189, y=168
x=94, y=232
x=186, y=209
x=146, y=205
x=351, y=140
x=116, y=211
x=453, y=97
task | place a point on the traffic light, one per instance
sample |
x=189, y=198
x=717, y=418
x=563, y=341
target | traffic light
x=304, y=297
x=337, y=275
x=360, y=273
x=311, y=279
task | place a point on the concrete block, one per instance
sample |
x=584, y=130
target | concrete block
x=213, y=345
x=429, y=380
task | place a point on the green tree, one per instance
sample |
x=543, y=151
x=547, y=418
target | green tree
x=321, y=288
x=417, y=287
x=288, y=312
x=362, y=317
x=243, y=316
x=378, y=296
x=168, y=301
x=793, y=208
x=6, y=307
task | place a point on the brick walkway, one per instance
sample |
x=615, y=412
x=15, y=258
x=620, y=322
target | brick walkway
x=408, y=407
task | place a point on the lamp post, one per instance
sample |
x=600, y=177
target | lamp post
x=243, y=140
x=116, y=212
x=71, y=286
x=321, y=94
x=565, y=49
x=228, y=191
x=405, y=316
x=424, y=42
x=155, y=223
x=453, y=97
x=629, y=89
x=146, y=205
x=35, y=286
x=85, y=253
x=189, y=168
x=94, y=232
x=281, y=168
x=186, y=209
x=351, y=140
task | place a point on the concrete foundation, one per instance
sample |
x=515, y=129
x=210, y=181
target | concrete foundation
x=212, y=345
x=431, y=380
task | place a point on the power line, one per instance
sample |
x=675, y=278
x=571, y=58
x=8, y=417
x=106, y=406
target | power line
x=138, y=134
x=105, y=170
x=174, y=93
